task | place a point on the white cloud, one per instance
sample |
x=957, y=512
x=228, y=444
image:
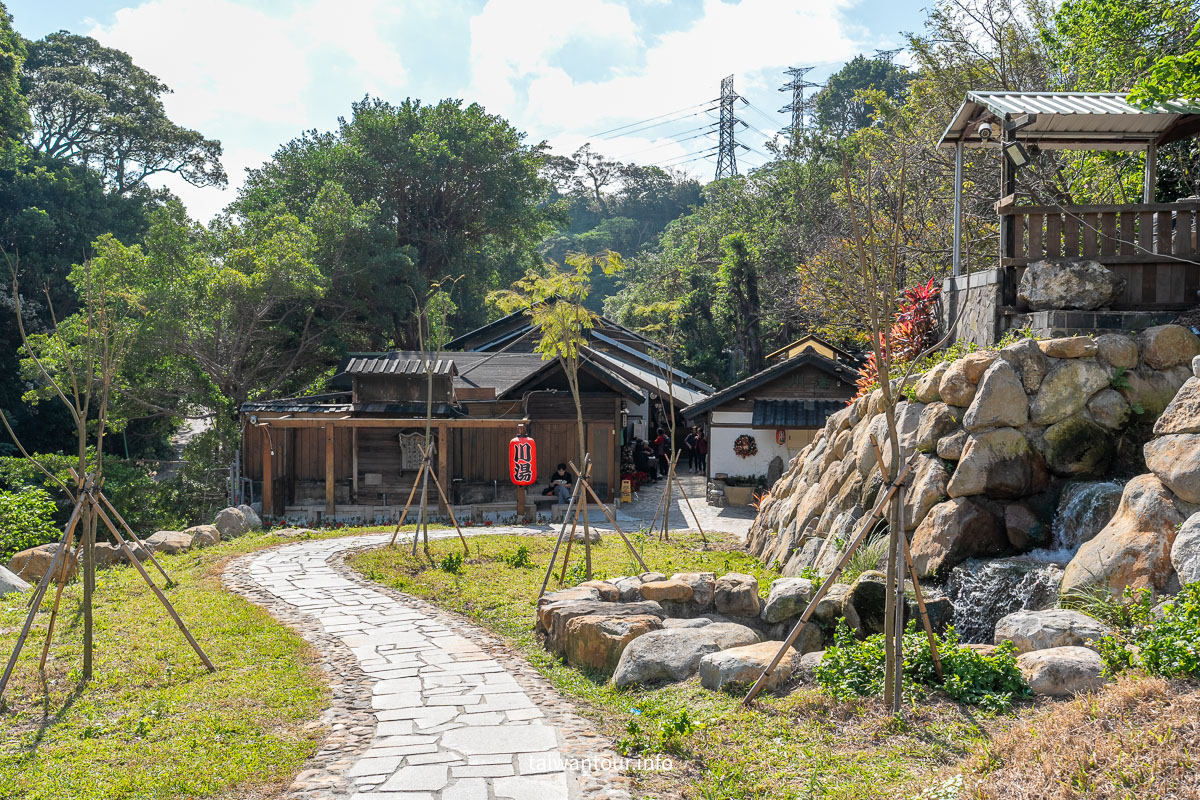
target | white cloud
x=236, y=70
x=752, y=39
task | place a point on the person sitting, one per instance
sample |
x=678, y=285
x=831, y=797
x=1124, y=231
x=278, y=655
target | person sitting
x=560, y=484
x=641, y=458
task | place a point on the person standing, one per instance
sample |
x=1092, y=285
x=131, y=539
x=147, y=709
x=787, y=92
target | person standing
x=662, y=451
x=701, y=451
x=689, y=444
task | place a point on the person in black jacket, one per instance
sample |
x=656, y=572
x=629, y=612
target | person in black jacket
x=560, y=484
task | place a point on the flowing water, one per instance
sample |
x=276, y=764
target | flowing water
x=983, y=591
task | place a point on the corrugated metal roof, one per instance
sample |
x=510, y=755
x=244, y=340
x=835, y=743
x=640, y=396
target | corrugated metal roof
x=794, y=413
x=647, y=379
x=398, y=364
x=1067, y=120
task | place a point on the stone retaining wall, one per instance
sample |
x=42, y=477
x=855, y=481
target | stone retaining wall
x=999, y=434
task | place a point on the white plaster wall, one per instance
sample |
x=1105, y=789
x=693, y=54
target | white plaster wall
x=721, y=457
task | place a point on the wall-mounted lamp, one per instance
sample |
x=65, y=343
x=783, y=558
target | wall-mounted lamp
x=1017, y=155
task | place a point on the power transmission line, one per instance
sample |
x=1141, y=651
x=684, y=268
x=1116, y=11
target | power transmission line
x=651, y=119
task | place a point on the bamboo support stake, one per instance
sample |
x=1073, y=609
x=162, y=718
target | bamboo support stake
x=691, y=510
x=912, y=571
x=108, y=504
x=662, y=499
x=608, y=514
x=404, y=513
x=562, y=532
x=63, y=573
x=162, y=598
x=442, y=494
x=562, y=576
x=39, y=593
x=865, y=529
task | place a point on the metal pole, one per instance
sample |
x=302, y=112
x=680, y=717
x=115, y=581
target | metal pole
x=1151, y=170
x=958, y=179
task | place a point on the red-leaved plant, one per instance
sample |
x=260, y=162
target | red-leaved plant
x=914, y=325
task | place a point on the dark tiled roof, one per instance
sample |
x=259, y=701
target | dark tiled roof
x=809, y=357
x=794, y=413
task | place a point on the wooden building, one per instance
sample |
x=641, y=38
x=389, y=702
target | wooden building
x=352, y=455
x=1152, y=245
x=782, y=408
x=612, y=348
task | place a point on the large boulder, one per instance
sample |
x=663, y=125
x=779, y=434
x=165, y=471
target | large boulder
x=787, y=597
x=1151, y=391
x=1056, y=627
x=168, y=542
x=253, y=520
x=1185, y=552
x=829, y=608
x=667, y=590
x=999, y=400
x=1069, y=347
x=30, y=565
x=596, y=641
x=736, y=595
x=927, y=490
x=955, y=388
x=1066, y=389
x=1134, y=548
x=10, y=583
x=927, y=386
x=953, y=532
x=674, y=653
x=938, y=420
x=863, y=605
x=1027, y=359
x=1062, y=671
x=1056, y=284
x=1165, y=346
x=1076, y=447
x=1182, y=414
x=1117, y=350
x=1109, y=408
x=998, y=463
x=742, y=666
x=1175, y=459
x=203, y=535
x=231, y=523
x=951, y=447
x=628, y=588
x=703, y=588
x=607, y=591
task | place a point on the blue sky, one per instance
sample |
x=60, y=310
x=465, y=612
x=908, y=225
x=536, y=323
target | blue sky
x=256, y=73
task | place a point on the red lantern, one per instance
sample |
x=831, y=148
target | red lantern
x=522, y=460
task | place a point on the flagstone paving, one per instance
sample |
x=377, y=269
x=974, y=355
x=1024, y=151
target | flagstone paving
x=455, y=716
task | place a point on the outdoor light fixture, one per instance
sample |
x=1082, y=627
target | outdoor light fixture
x=1017, y=155
x=984, y=131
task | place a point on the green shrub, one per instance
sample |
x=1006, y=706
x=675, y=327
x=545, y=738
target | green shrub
x=26, y=520
x=1167, y=644
x=518, y=559
x=853, y=668
x=452, y=563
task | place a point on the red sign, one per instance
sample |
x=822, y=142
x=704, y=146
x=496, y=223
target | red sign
x=522, y=460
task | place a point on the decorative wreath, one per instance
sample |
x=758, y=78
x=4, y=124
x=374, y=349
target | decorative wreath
x=745, y=446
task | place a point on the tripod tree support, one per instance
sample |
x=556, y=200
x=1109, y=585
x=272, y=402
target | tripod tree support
x=609, y=516
x=162, y=598
x=404, y=513
x=129, y=531
x=859, y=538
x=566, y=518
x=40, y=592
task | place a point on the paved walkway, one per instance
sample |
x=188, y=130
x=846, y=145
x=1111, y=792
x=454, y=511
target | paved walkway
x=451, y=721
x=734, y=520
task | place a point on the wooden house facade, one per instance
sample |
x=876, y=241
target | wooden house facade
x=354, y=455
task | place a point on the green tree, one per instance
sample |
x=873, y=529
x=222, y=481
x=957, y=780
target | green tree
x=14, y=111
x=457, y=187
x=91, y=104
x=841, y=108
x=737, y=278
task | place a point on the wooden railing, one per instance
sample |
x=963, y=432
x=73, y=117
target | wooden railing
x=1115, y=234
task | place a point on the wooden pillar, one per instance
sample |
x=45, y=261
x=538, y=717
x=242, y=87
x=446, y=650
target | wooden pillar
x=330, y=506
x=443, y=465
x=1149, y=178
x=268, y=475
x=958, y=202
x=354, y=464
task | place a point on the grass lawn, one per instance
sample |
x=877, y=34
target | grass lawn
x=153, y=723
x=803, y=745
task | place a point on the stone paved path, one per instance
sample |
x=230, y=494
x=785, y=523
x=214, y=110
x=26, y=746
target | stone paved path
x=452, y=723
